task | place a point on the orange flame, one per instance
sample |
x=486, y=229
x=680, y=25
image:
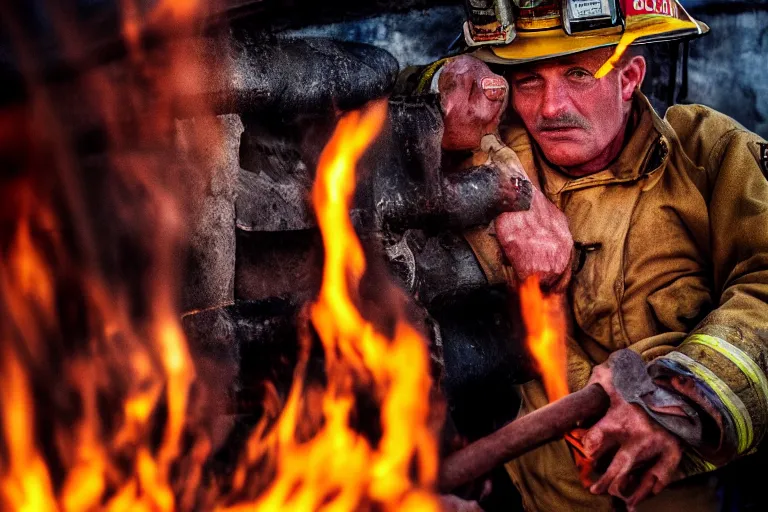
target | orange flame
x=399, y=366
x=178, y=8
x=105, y=417
x=339, y=468
x=27, y=484
x=111, y=401
x=545, y=324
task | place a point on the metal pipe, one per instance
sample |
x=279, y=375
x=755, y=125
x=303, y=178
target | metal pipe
x=523, y=435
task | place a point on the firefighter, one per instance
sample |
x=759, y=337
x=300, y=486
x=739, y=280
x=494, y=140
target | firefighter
x=669, y=259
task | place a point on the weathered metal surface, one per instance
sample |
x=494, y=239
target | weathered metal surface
x=523, y=435
x=278, y=264
x=401, y=182
x=266, y=204
x=244, y=347
x=278, y=158
x=485, y=359
x=210, y=265
x=436, y=268
x=99, y=25
x=284, y=76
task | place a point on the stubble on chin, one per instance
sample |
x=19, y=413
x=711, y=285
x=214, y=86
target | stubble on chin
x=565, y=154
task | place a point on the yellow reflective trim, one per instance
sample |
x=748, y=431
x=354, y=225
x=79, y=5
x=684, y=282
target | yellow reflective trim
x=733, y=403
x=426, y=79
x=703, y=464
x=746, y=364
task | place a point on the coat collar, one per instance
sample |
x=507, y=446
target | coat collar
x=646, y=151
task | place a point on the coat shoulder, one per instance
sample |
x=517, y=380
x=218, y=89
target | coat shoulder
x=514, y=135
x=704, y=132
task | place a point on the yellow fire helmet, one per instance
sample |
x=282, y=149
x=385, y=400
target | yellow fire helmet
x=519, y=31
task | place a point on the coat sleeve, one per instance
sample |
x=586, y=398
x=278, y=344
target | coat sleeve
x=722, y=364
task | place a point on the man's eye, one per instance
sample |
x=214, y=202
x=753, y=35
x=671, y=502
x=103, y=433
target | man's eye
x=579, y=74
x=527, y=82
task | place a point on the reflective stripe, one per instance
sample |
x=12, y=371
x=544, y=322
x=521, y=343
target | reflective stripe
x=703, y=465
x=733, y=403
x=746, y=364
x=425, y=84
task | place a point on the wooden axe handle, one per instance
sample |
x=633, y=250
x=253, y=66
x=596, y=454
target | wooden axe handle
x=523, y=435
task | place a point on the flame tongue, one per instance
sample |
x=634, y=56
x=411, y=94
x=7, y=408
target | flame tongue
x=98, y=404
x=329, y=466
x=545, y=323
x=339, y=468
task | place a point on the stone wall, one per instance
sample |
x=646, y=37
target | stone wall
x=210, y=269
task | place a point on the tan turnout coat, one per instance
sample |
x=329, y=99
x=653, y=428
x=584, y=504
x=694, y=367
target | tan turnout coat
x=676, y=266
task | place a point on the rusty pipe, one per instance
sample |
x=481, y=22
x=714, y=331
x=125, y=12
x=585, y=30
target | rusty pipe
x=523, y=435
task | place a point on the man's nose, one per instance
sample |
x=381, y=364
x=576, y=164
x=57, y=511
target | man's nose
x=553, y=101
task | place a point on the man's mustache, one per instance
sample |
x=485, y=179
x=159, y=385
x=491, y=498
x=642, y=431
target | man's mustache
x=562, y=122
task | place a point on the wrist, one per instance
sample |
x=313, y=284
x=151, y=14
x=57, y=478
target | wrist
x=719, y=442
x=630, y=379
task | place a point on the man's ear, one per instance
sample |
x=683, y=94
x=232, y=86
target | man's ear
x=632, y=75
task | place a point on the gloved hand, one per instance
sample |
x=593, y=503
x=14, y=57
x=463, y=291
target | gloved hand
x=647, y=454
x=536, y=241
x=473, y=99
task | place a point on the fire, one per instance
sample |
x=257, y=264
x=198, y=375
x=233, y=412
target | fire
x=95, y=373
x=339, y=468
x=177, y=8
x=27, y=486
x=99, y=402
x=398, y=367
x=545, y=325
x=97, y=385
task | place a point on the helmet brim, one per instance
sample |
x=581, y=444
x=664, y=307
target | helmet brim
x=548, y=44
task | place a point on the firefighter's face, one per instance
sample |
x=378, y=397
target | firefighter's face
x=574, y=117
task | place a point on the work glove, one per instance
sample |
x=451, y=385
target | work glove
x=472, y=98
x=645, y=428
x=537, y=241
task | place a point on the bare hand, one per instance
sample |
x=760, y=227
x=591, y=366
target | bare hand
x=473, y=99
x=451, y=503
x=537, y=242
x=645, y=451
